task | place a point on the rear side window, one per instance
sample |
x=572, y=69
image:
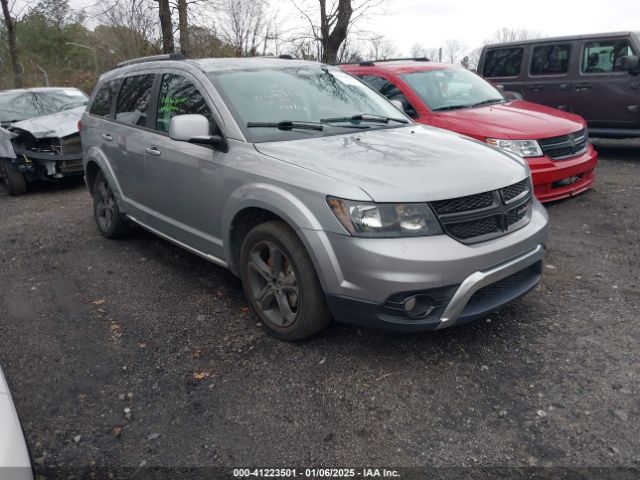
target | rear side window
x=389, y=90
x=550, y=60
x=503, y=62
x=101, y=105
x=605, y=56
x=133, y=100
x=179, y=96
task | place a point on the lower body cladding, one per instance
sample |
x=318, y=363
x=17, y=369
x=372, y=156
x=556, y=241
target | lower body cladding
x=428, y=283
x=558, y=179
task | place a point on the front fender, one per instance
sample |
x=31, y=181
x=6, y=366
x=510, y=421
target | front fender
x=296, y=214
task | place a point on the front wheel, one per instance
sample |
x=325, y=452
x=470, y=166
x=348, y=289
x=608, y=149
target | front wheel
x=110, y=222
x=15, y=182
x=281, y=283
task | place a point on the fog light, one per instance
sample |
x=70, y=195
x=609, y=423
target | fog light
x=418, y=306
x=410, y=304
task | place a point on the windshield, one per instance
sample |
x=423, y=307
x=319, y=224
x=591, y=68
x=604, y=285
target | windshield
x=452, y=88
x=16, y=106
x=303, y=102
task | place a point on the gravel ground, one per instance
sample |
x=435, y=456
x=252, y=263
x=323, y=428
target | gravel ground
x=91, y=329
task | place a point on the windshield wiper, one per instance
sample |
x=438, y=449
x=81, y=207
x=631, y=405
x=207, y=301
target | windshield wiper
x=489, y=102
x=364, y=117
x=286, y=125
x=450, y=107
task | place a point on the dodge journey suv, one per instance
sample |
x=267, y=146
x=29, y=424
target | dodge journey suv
x=324, y=198
x=554, y=143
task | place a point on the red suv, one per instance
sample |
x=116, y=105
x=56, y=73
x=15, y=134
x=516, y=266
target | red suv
x=555, y=143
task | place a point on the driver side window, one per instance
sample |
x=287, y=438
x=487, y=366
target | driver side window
x=179, y=96
x=389, y=90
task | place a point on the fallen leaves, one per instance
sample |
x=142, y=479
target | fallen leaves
x=203, y=375
x=99, y=302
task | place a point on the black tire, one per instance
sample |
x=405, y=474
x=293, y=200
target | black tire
x=289, y=284
x=111, y=223
x=15, y=182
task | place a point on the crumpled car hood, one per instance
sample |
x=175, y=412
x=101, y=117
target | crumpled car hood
x=408, y=164
x=61, y=124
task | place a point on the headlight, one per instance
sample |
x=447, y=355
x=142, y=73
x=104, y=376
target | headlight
x=364, y=219
x=524, y=148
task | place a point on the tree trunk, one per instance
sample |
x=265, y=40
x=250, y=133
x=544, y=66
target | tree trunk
x=13, y=44
x=332, y=40
x=183, y=25
x=166, y=26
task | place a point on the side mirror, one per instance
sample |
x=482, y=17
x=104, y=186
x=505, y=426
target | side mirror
x=630, y=63
x=195, y=129
x=509, y=95
x=398, y=104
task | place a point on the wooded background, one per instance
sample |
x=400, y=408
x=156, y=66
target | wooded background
x=49, y=42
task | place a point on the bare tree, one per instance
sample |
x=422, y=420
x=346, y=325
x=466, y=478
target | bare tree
x=419, y=51
x=453, y=50
x=183, y=26
x=126, y=29
x=474, y=58
x=244, y=25
x=380, y=47
x=504, y=35
x=13, y=44
x=330, y=23
x=166, y=26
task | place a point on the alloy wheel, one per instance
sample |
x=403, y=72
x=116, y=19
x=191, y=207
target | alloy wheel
x=273, y=284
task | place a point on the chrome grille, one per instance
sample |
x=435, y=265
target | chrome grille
x=481, y=217
x=565, y=146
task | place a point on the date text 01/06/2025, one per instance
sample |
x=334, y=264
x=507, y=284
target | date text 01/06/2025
x=315, y=473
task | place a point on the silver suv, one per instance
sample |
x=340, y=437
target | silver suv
x=321, y=195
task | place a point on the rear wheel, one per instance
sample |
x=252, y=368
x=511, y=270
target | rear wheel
x=15, y=182
x=110, y=222
x=281, y=284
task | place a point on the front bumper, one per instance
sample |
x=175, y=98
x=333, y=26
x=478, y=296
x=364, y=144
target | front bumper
x=367, y=279
x=45, y=166
x=558, y=179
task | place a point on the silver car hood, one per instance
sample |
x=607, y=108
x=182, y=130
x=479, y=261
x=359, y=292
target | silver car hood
x=409, y=164
x=13, y=449
x=58, y=125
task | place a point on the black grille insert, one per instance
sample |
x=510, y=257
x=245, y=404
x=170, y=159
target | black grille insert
x=565, y=146
x=512, y=191
x=463, y=204
x=487, y=215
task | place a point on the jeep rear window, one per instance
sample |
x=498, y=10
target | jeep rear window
x=550, y=60
x=503, y=62
x=605, y=56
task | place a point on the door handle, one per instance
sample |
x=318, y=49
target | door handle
x=635, y=85
x=536, y=87
x=565, y=86
x=153, y=151
x=107, y=137
x=583, y=86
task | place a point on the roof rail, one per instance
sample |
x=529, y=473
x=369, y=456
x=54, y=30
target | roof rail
x=286, y=57
x=371, y=63
x=152, y=58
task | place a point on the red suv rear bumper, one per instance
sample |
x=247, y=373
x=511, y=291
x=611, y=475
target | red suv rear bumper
x=557, y=179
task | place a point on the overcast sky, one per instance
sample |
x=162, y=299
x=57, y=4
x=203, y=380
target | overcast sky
x=431, y=22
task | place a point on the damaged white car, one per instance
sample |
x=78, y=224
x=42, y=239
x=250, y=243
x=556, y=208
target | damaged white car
x=39, y=137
